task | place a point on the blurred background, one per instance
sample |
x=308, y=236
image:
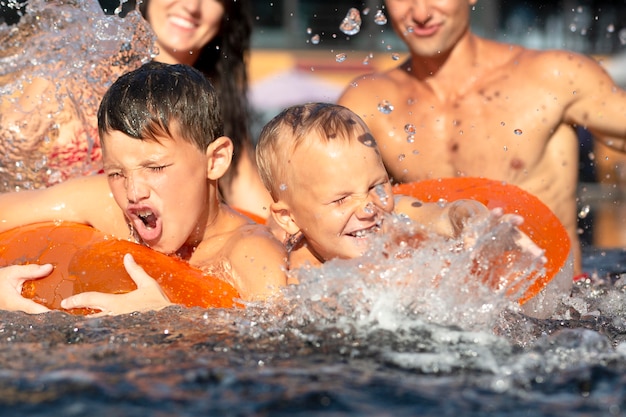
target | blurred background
x=299, y=54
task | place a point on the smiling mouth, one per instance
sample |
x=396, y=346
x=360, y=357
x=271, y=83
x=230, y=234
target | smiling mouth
x=375, y=228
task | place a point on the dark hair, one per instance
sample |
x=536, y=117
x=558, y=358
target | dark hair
x=160, y=99
x=223, y=62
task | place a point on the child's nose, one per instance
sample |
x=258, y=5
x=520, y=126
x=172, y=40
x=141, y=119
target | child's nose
x=367, y=210
x=135, y=188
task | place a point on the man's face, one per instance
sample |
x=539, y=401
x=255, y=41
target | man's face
x=429, y=27
x=338, y=194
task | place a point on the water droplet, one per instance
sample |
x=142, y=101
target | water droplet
x=340, y=57
x=309, y=31
x=518, y=132
x=506, y=148
x=410, y=128
x=502, y=123
x=366, y=11
x=382, y=194
x=610, y=28
x=401, y=157
x=395, y=56
x=366, y=61
x=584, y=211
x=622, y=36
x=351, y=24
x=283, y=187
x=385, y=107
x=410, y=138
x=380, y=18
x=415, y=151
x=315, y=39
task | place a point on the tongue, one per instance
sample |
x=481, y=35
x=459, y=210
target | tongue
x=148, y=228
x=149, y=221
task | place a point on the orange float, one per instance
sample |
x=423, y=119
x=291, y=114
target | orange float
x=87, y=260
x=540, y=224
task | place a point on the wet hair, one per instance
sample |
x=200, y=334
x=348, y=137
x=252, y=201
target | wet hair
x=301, y=124
x=162, y=100
x=223, y=61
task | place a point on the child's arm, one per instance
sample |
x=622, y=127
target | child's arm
x=259, y=263
x=444, y=219
x=84, y=200
x=450, y=219
x=147, y=296
x=11, y=281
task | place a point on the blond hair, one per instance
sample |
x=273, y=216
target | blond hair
x=295, y=126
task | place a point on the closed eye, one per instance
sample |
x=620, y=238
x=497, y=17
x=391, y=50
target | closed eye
x=157, y=168
x=340, y=201
x=114, y=175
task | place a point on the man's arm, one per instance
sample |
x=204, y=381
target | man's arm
x=591, y=97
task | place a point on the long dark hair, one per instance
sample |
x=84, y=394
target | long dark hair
x=224, y=62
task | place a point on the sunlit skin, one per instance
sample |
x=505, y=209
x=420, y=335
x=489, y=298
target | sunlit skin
x=483, y=108
x=183, y=27
x=161, y=178
x=332, y=204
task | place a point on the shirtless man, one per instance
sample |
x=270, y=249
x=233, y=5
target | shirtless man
x=462, y=105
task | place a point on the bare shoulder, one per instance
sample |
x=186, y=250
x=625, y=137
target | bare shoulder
x=258, y=260
x=368, y=88
x=559, y=66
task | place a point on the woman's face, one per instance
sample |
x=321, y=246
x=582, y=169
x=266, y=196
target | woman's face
x=183, y=27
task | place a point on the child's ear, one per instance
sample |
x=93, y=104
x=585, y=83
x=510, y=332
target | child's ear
x=281, y=213
x=219, y=156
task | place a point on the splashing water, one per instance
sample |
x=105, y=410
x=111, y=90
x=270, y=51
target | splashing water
x=462, y=281
x=385, y=107
x=380, y=18
x=351, y=24
x=53, y=73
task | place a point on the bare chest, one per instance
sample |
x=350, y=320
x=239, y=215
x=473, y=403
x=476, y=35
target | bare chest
x=485, y=131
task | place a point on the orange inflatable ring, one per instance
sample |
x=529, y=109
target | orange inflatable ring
x=540, y=224
x=86, y=260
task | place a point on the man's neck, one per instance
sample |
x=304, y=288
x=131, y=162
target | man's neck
x=450, y=65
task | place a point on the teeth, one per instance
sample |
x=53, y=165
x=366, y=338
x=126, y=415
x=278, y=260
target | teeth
x=147, y=217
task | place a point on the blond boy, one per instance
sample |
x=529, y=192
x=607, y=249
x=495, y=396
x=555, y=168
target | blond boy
x=331, y=190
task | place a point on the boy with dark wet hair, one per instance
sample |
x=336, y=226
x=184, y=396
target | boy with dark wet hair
x=163, y=153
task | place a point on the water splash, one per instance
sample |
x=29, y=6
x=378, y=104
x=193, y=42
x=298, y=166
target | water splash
x=409, y=276
x=380, y=18
x=385, y=107
x=52, y=74
x=351, y=24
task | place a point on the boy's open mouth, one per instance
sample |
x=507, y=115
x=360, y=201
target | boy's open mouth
x=146, y=222
x=148, y=218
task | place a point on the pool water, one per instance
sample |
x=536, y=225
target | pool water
x=310, y=356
